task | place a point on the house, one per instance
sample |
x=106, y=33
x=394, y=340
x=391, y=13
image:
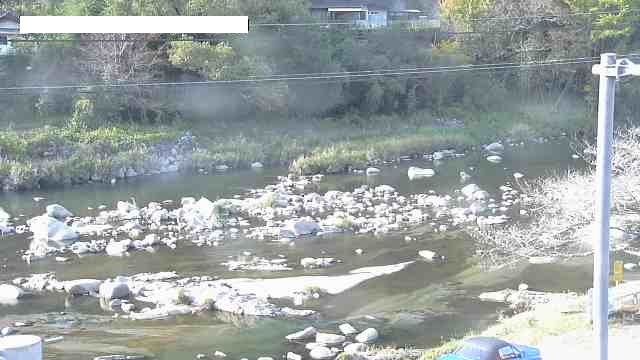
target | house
x=9, y=26
x=365, y=13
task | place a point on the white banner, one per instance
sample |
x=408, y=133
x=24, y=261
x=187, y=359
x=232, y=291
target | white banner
x=134, y=24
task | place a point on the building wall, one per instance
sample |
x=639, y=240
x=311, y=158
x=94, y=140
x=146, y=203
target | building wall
x=377, y=18
x=320, y=14
x=12, y=26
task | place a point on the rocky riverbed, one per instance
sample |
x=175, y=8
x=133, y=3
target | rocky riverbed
x=365, y=261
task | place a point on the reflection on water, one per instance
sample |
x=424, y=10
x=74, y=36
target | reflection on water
x=418, y=306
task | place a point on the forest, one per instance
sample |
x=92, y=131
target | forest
x=494, y=68
x=472, y=32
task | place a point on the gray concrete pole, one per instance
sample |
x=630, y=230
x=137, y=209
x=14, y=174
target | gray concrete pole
x=608, y=74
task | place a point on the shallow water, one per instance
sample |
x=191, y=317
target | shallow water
x=418, y=306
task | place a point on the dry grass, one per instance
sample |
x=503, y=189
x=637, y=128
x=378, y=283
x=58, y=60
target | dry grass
x=562, y=210
x=529, y=328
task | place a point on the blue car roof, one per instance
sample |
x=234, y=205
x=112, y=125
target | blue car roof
x=489, y=344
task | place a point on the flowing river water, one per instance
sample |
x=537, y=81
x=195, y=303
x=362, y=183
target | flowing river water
x=418, y=307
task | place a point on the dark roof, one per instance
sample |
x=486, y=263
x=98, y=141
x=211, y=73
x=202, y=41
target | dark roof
x=323, y=4
x=9, y=15
x=489, y=344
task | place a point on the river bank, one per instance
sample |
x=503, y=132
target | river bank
x=364, y=226
x=56, y=156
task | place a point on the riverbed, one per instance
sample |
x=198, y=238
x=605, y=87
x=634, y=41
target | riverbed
x=418, y=306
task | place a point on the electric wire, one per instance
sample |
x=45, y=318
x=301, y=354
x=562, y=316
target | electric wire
x=350, y=76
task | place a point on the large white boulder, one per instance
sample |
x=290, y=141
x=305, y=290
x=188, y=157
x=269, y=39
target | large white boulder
x=368, y=336
x=47, y=228
x=496, y=159
x=114, y=290
x=58, y=212
x=118, y=248
x=418, y=173
x=373, y=171
x=10, y=292
x=205, y=207
x=299, y=227
x=427, y=255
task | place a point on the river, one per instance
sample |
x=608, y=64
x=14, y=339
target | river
x=419, y=306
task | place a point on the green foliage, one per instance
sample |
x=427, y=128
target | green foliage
x=209, y=60
x=620, y=23
x=183, y=298
x=83, y=116
x=465, y=10
x=446, y=348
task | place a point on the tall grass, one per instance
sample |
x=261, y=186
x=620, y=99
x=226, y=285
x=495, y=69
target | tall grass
x=56, y=156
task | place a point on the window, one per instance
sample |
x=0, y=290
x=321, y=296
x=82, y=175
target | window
x=508, y=352
x=471, y=352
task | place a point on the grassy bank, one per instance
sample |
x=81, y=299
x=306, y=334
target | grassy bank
x=57, y=156
x=530, y=328
x=52, y=156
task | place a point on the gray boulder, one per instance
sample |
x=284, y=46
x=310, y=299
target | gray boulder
x=47, y=228
x=368, y=336
x=329, y=339
x=355, y=348
x=495, y=148
x=468, y=190
x=305, y=334
x=6, y=331
x=321, y=353
x=481, y=195
x=299, y=227
x=82, y=286
x=347, y=329
x=58, y=212
x=114, y=290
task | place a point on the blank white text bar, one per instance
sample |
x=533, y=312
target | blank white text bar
x=134, y=24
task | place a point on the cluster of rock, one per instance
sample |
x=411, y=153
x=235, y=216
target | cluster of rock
x=324, y=346
x=256, y=263
x=162, y=295
x=523, y=299
x=281, y=212
x=5, y=223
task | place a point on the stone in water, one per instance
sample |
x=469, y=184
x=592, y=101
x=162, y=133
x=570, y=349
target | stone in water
x=494, y=159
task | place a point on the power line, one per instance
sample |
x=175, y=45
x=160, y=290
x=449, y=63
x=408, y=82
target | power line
x=576, y=14
x=428, y=68
x=318, y=76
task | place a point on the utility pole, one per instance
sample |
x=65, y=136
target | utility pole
x=608, y=75
x=610, y=69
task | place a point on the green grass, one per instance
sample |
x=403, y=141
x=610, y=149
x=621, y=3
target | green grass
x=529, y=328
x=53, y=156
x=50, y=156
